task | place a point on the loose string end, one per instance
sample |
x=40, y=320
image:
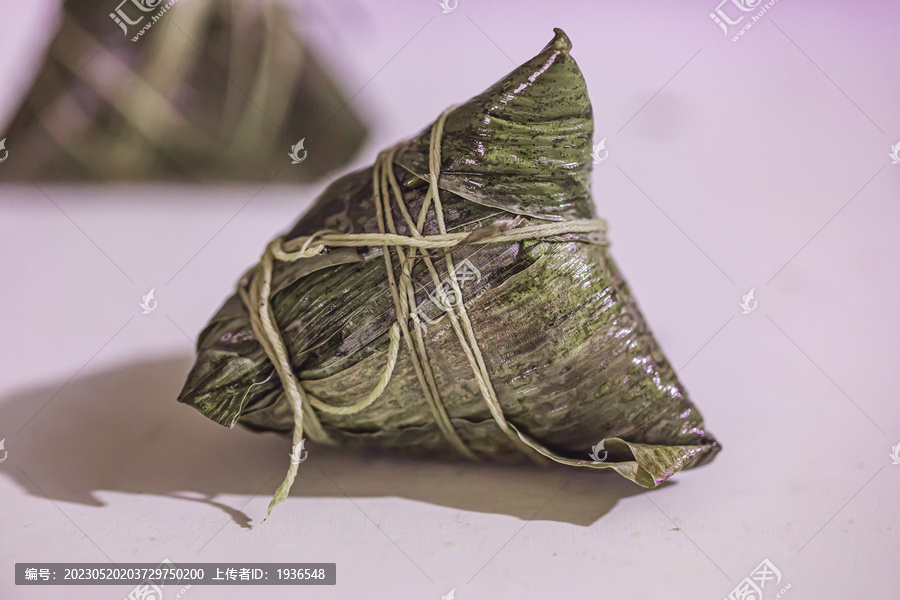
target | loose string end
x=284, y=489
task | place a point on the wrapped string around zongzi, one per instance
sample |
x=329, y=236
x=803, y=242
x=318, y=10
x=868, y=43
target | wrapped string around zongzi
x=457, y=298
x=199, y=90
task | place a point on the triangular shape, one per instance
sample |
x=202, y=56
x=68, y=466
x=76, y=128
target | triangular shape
x=574, y=370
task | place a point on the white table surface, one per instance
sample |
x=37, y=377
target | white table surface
x=758, y=164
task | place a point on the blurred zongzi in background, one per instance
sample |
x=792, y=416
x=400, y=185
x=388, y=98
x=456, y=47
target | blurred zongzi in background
x=187, y=90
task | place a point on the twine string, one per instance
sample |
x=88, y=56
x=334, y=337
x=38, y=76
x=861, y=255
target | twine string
x=256, y=289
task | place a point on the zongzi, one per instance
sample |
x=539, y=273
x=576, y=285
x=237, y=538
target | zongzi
x=457, y=298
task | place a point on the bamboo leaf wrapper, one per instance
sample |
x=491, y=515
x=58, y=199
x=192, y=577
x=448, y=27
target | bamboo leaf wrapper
x=569, y=356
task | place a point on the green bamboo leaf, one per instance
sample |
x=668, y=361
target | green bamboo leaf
x=569, y=354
